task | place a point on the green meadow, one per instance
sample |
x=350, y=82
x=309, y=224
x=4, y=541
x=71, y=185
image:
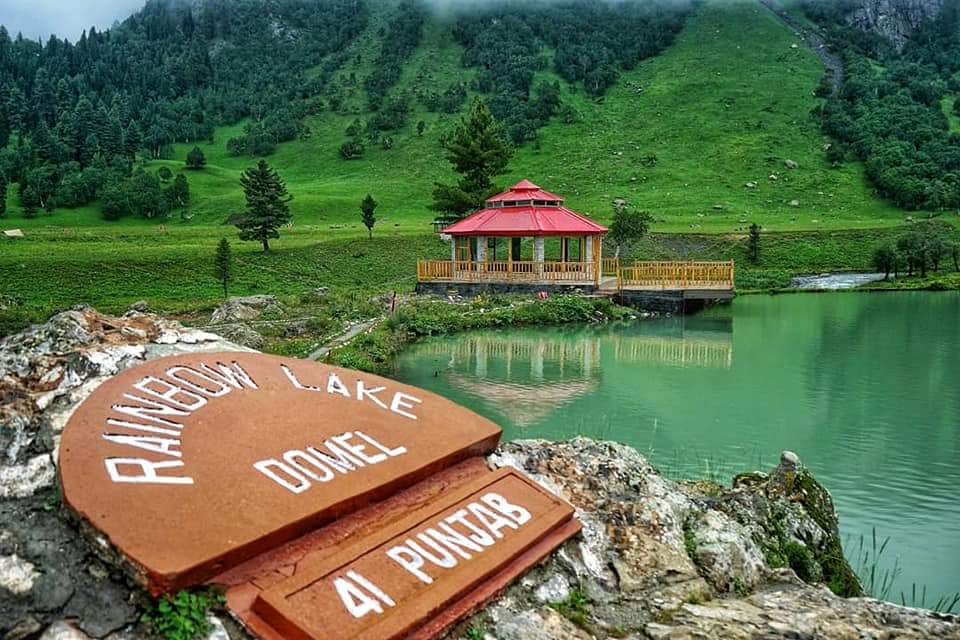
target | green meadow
x=680, y=135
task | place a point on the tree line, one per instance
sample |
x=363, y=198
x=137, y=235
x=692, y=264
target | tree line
x=888, y=111
x=75, y=118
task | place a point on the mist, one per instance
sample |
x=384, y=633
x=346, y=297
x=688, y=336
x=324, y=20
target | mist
x=39, y=19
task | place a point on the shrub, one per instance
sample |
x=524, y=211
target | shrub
x=183, y=616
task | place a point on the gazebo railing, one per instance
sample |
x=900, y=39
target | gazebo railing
x=494, y=271
x=639, y=275
x=678, y=275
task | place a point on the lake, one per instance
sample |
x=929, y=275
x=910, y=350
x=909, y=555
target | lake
x=864, y=387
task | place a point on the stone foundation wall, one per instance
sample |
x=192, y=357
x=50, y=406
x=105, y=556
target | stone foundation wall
x=470, y=289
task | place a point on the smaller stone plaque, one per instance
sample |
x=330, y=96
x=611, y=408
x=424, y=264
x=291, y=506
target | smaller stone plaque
x=423, y=572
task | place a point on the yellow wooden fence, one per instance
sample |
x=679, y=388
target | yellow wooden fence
x=677, y=275
x=639, y=275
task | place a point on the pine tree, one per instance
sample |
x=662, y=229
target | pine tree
x=223, y=264
x=29, y=200
x=267, y=208
x=367, y=208
x=196, y=159
x=754, y=243
x=478, y=152
x=178, y=193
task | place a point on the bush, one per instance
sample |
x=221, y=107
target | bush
x=802, y=562
x=182, y=617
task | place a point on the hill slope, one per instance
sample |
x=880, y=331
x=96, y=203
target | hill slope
x=681, y=135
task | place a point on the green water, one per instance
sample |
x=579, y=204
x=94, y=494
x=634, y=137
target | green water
x=864, y=387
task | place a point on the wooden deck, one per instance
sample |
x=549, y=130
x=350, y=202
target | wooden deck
x=709, y=279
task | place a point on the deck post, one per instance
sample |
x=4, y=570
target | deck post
x=481, y=253
x=538, y=256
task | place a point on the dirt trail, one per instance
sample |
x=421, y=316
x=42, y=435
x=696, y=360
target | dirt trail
x=343, y=338
x=816, y=42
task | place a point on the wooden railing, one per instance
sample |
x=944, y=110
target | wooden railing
x=610, y=266
x=503, y=271
x=639, y=275
x=677, y=275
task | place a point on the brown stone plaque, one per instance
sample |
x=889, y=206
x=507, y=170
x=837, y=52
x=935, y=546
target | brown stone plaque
x=423, y=572
x=192, y=464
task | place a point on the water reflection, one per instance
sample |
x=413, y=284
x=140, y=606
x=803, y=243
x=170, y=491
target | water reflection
x=866, y=388
x=525, y=376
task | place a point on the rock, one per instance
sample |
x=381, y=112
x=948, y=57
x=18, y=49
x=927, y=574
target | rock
x=773, y=177
x=243, y=335
x=793, y=203
x=294, y=329
x=45, y=372
x=22, y=480
x=63, y=631
x=140, y=306
x=790, y=164
x=632, y=566
x=238, y=309
x=17, y=575
x=750, y=185
x=718, y=207
x=543, y=624
x=556, y=589
x=895, y=20
x=26, y=628
x=790, y=460
x=725, y=553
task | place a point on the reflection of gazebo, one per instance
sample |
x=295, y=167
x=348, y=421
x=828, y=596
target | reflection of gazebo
x=509, y=373
x=488, y=244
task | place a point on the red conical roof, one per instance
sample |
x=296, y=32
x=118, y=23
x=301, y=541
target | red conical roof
x=524, y=190
x=533, y=218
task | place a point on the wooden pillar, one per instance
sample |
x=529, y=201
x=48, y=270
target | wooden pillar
x=538, y=256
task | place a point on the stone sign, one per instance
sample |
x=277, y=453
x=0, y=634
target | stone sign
x=328, y=503
x=394, y=582
x=191, y=464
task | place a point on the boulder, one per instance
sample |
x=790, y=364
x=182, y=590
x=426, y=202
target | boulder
x=47, y=571
x=793, y=203
x=243, y=335
x=790, y=164
x=238, y=309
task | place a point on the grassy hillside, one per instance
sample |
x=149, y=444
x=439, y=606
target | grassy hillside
x=680, y=135
x=728, y=103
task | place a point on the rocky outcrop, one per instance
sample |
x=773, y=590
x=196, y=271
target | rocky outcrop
x=659, y=559
x=895, y=20
x=656, y=559
x=47, y=572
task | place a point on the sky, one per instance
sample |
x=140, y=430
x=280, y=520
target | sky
x=65, y=18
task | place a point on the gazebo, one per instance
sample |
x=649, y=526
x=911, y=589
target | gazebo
x=522, y=236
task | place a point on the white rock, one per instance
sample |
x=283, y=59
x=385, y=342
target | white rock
x=22, y=480
x=63, y=631
x=556, y=589
x=217, y=630
x=17, y=575
x=725, y=551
